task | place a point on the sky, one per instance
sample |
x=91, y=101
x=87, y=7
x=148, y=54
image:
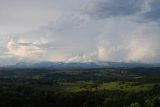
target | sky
x=79, y=31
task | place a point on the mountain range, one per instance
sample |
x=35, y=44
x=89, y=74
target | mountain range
x=79, y=65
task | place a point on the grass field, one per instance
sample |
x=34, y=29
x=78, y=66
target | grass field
x=91, y=86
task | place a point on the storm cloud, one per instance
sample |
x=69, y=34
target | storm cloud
x=153, y=13
x=112, y=8
x=79, y=31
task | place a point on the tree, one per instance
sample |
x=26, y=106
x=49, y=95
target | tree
x=136, y=104
x=148, y=103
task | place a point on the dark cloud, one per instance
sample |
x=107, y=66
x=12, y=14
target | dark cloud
x=154, y=12
x=109, y=8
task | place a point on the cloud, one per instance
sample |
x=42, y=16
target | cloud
x=33, y=49
x=111, y=8
x=153, y=12
x=124, y=40
x=84, y=57
x=113, y=39
x=139, y=10
x=86, y=30
x=22, y=49
x=140, y=50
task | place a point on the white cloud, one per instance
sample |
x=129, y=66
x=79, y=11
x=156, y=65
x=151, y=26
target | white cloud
x=84, y=58
x=140, y=50
x=22, y=49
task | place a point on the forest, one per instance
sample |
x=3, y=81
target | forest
x=101, y=87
